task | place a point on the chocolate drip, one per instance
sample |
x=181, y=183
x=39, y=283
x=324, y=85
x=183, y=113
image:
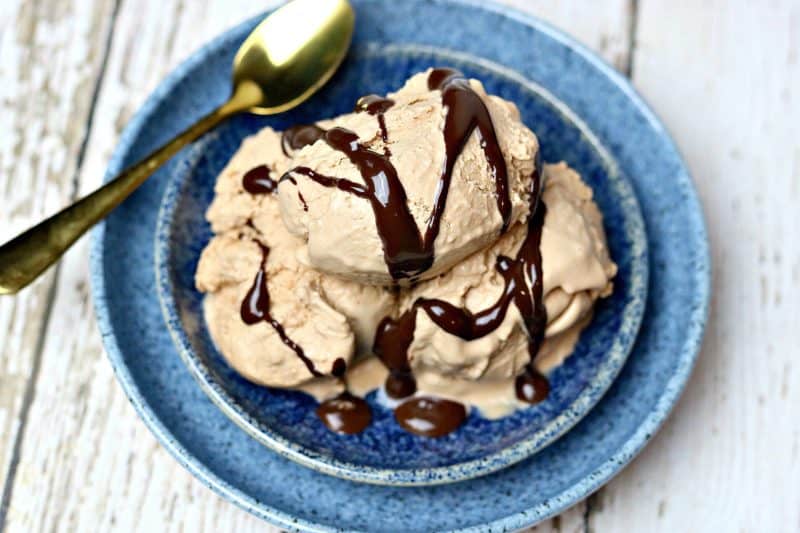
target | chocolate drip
x=258, y=181
x=345, y=413
x=302, y=201
x=400, y=384
x=299, y=136
x=430, y=417
x=392, y=339
x=299, y=194
x=373, y=104
x=339, y=368
x=377, y=106
x=531, y=386
x=255, y=308
x=464, y=112
x=403, y=250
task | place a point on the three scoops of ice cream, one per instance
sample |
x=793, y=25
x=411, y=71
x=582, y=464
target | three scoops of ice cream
x=416, y=245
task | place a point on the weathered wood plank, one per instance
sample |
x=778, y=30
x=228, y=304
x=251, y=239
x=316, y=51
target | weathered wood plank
x=88, y=464
x=724, y=77
x=94, y=465
x=50, y=57
x=604, y=26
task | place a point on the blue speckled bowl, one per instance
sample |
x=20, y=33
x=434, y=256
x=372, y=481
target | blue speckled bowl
x=237, y=465
x=385, y=453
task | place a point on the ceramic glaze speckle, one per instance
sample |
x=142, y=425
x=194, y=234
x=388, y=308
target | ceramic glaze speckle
x=295, y=497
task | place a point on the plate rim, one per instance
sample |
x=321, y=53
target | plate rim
x=634, y=443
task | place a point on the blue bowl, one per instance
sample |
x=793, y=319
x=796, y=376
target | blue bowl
x=161, y=386
x=384, y=452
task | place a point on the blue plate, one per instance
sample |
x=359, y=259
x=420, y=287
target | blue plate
x=385, y=453
x=237, y=465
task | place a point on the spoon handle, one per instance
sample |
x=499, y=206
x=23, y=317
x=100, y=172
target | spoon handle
x=25, y=257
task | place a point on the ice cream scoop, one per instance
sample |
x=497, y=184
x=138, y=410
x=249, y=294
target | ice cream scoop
x=409, y=185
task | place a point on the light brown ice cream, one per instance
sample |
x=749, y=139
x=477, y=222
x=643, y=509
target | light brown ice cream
x=326, y=273
x=329, y=318
x=340, y=228
x=576, y=271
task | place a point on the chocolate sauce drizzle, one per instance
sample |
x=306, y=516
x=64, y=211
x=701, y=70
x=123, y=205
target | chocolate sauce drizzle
x=406, y=251
x=299, y=194
x=523, y=287
x=343, y=414
x=255, y=308
x=297, y=137
x=377, y=106
x=258, y=181
x=302, y=201
x=465, y=111
x=392, y=339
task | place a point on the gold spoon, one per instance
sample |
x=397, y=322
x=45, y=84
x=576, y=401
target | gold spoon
x=289, y=55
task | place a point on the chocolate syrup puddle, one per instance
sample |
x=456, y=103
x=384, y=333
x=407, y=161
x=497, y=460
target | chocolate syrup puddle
x=406, y=251
x=430, y=417
x=297, y=137
x=255, y=308
x=464, y=112
x=258, y=181
x=377, y=106
x=345, y=413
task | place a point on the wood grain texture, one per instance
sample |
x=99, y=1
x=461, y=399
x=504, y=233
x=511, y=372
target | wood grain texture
x=50, y=58
x=87, y=462
x=724, y=77
x=603, y=26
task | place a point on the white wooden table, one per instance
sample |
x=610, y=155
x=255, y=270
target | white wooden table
x=724, y=76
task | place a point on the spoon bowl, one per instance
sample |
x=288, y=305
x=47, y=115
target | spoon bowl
x=288, y=62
